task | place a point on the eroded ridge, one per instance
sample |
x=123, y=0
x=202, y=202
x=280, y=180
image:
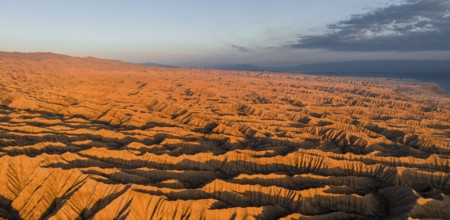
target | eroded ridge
x=88, y=138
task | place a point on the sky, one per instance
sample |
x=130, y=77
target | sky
x=205, y=33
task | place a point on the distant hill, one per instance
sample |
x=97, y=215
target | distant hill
x=357, y=67
x=157, y=64
x=36, y=56
x=376, y=66
x=421, y=70
x=246, y=67
x=66, y=61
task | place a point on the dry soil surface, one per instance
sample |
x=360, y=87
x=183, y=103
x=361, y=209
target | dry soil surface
x=89, y=138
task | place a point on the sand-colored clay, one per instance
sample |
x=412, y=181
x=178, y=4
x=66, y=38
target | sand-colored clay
x=86, y=138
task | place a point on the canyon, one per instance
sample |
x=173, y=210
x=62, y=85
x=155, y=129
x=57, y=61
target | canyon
x=88, y=138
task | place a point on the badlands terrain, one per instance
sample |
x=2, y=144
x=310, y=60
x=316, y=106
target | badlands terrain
x=85, y=138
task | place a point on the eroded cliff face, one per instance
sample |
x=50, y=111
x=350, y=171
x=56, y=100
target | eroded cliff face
x=89, y=138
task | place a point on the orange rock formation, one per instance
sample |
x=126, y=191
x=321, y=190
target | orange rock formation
x=89, y=138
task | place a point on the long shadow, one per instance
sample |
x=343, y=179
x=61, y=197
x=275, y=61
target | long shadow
x=56, y=203
x=101, y=203
x=268, y=146
x=226, y=170
x=399, y=137
x=6, y=210
x=279, y=147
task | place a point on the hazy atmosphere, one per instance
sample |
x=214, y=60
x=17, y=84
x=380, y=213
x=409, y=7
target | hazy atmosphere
x=224, y=110
x=220, y=33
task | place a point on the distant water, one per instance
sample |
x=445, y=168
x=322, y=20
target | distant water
x=443, y=80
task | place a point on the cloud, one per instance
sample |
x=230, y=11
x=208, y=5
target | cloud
x=241, y=48
x=413, y=25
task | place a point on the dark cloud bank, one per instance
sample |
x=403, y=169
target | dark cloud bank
x=411, y=26
x=414, y=25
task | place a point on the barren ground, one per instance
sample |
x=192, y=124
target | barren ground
x=89, y=138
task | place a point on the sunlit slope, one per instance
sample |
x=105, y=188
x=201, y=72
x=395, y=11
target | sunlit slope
x=90, y=138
